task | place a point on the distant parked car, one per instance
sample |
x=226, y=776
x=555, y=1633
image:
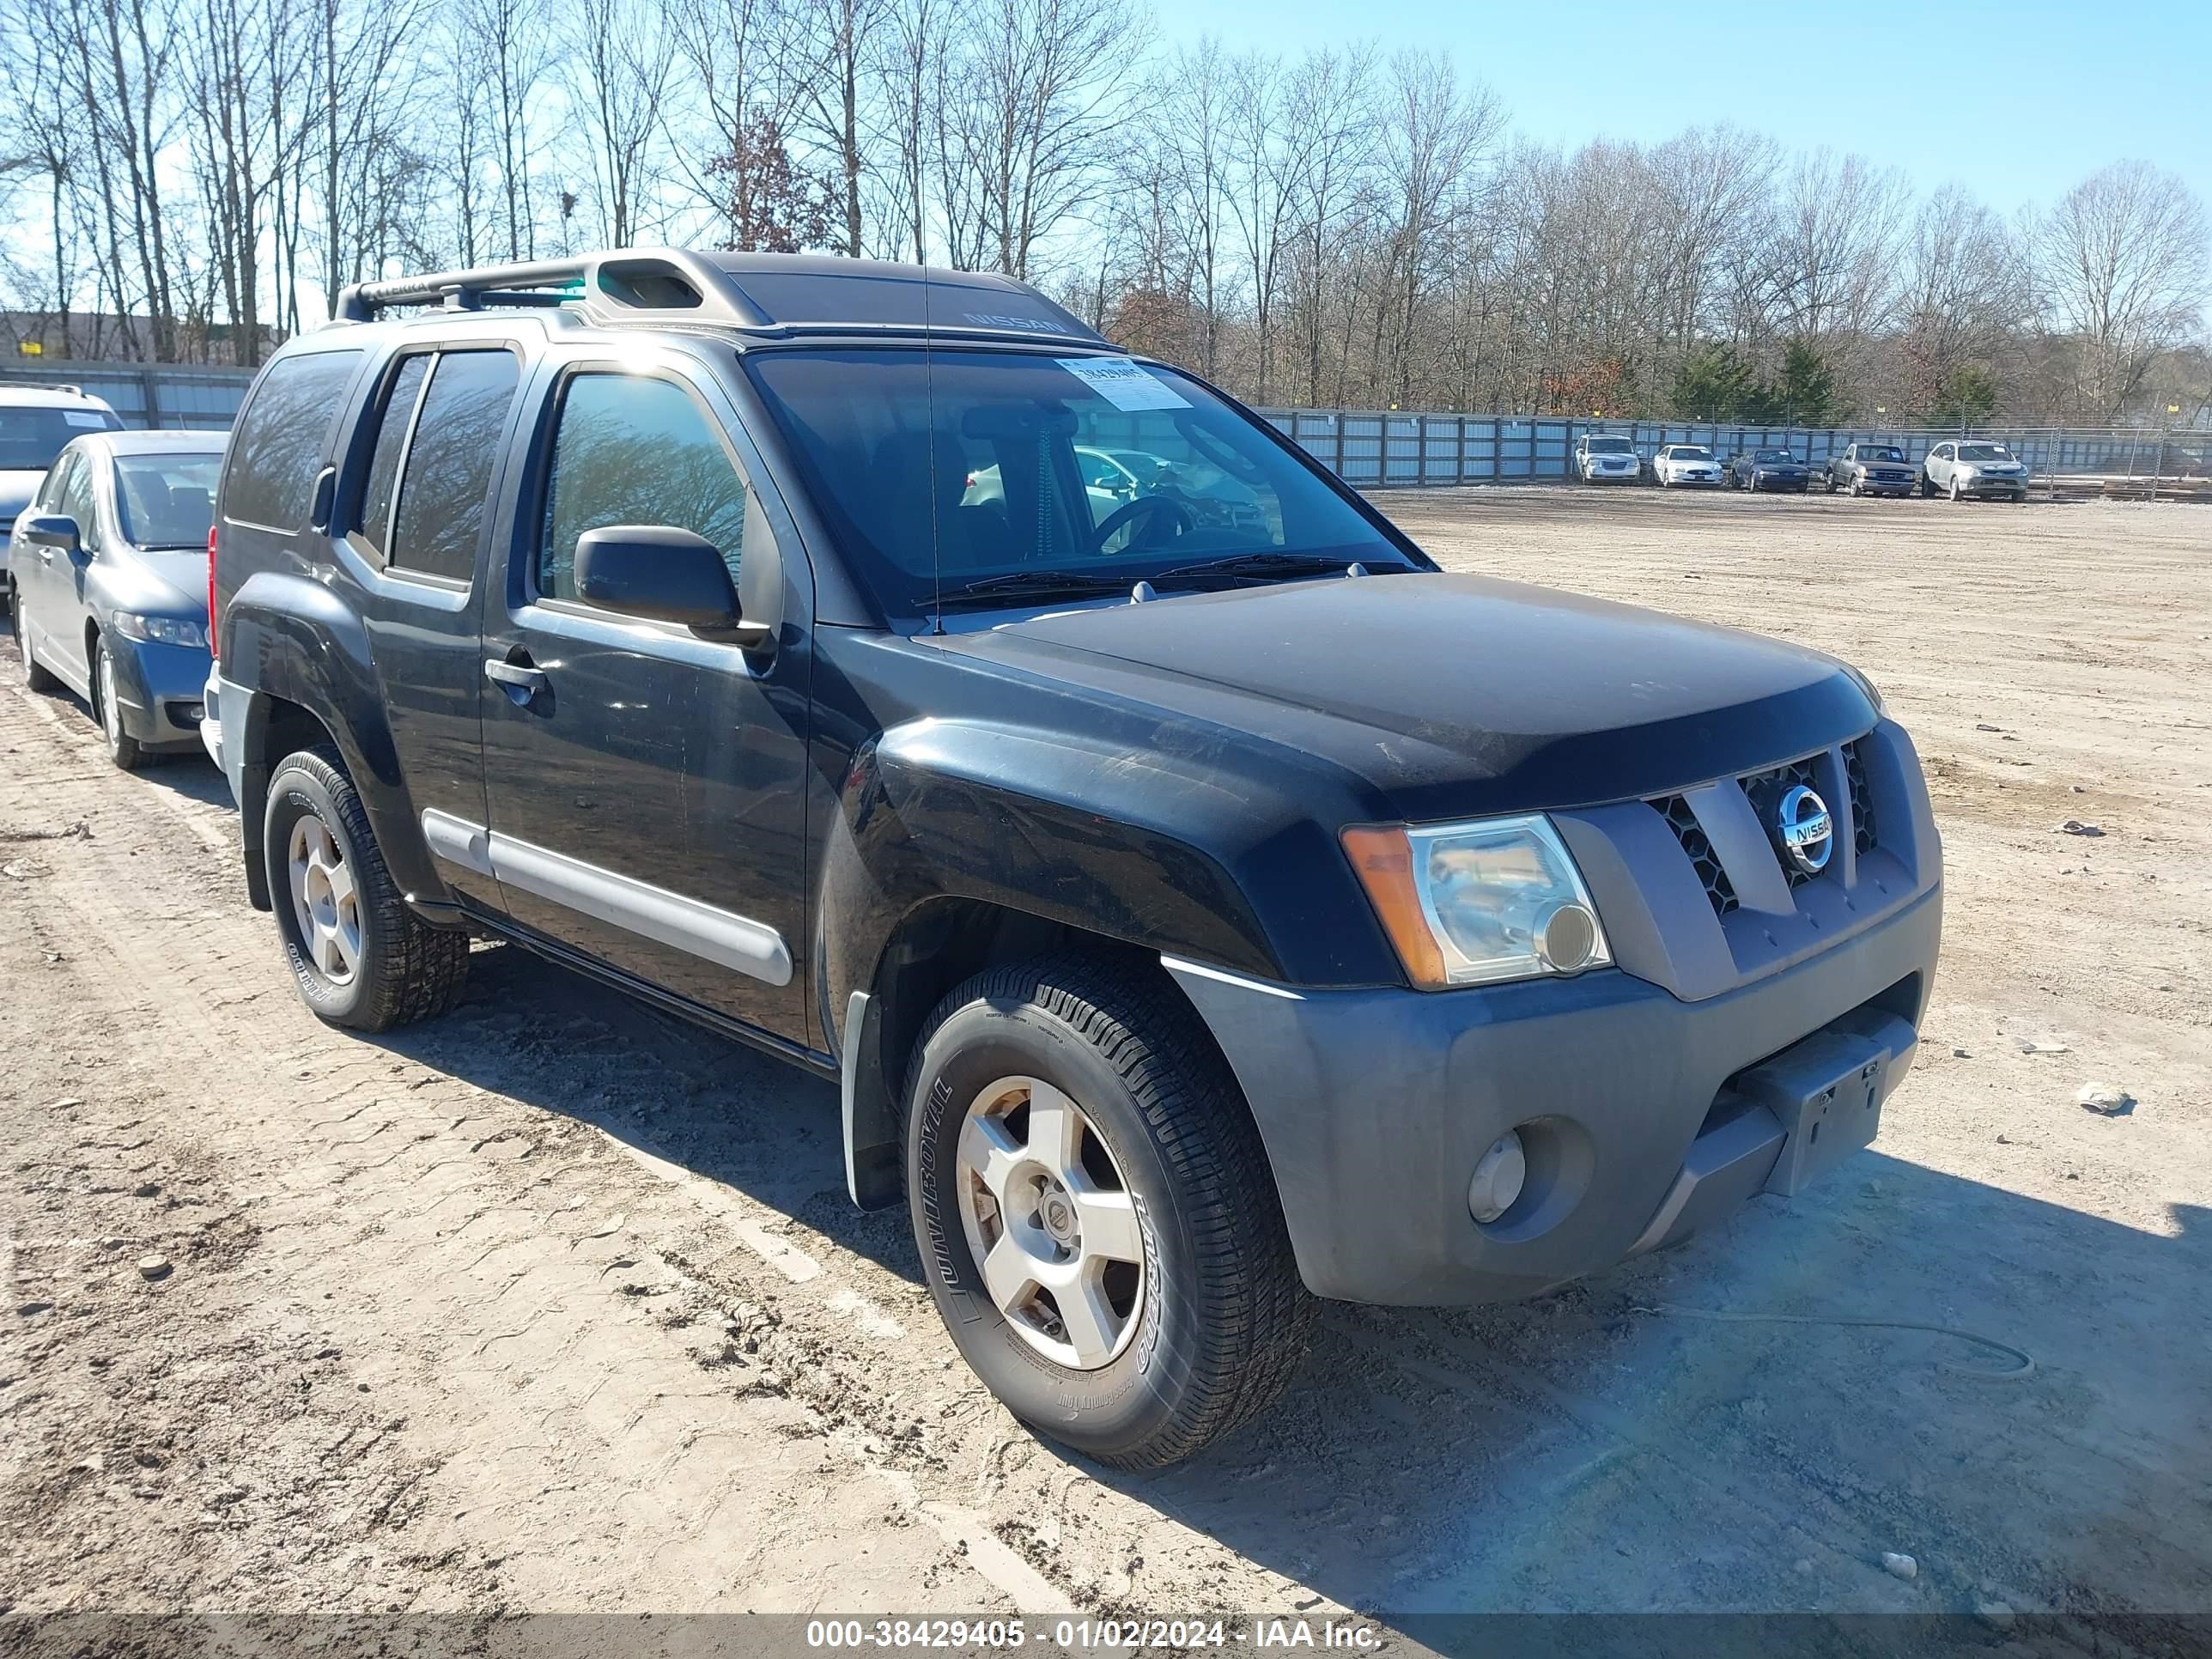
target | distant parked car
x=110, y=571
x=1603, y=456
x=1870, y=470
x=1968, y=468
x=36, y=422
x=1686, y=464
x=1768, y=469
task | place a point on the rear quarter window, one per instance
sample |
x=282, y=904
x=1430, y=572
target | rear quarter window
x=281, y=437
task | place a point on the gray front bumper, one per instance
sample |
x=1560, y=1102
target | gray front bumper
x=1629, y=1085
x=1376, y=1105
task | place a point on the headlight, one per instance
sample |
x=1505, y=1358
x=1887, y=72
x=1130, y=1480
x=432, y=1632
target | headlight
x=159, y=630
x=1477, y=903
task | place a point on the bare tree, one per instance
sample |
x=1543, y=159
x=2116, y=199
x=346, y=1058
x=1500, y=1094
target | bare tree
x=2125, y=274
x=1965, y=294
x=621, y=64
x=1831, y=248
x=1031, y=104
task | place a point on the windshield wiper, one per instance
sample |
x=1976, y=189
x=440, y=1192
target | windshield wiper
x=1033, y=584
x=1260, y=564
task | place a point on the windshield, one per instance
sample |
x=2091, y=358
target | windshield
x=166, y=500
x=1606, y=445
x=1774, y=455
x=1880, y=452
x=31, y=438
x=1690, y=452
x=1983, y=452
x=1032, y=467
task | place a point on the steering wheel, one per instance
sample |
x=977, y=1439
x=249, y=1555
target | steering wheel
x=1143, y=506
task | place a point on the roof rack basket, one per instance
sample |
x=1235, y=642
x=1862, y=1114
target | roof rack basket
x=677, y=287
x=660, y=284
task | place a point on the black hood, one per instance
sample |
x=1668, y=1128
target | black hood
x=1451, y=694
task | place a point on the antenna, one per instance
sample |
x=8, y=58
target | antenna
x=929, y=432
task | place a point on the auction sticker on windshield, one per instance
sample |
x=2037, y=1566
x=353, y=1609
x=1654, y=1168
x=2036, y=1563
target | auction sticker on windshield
x=1126, y=384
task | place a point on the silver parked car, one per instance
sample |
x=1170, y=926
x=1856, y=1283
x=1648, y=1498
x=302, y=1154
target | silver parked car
x=1973, y=467
x=1603, y=456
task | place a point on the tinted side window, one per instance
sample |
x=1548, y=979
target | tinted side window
x=629, y=449
x=373, y=531
x=442, y=494
x=280, y=440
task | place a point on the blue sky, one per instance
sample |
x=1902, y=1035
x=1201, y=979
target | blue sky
x=2037, y=96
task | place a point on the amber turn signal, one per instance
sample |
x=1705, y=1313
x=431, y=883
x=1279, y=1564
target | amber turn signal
x=1383, y=858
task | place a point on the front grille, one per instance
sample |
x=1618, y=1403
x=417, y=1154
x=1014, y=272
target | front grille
x=1766, y=790
x=1862, y=800
x=1719, y=890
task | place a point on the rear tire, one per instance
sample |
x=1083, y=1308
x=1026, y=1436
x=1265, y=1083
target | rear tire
x=122, y=748
x=1202, y=1329
x=34, y=676
x=360, y=958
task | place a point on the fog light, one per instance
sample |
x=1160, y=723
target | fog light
x=1567, y=939
x=1498, y=1178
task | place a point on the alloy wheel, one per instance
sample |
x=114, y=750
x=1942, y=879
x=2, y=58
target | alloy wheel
x=1051, y=1223
x=111, y=711
x=326, y=901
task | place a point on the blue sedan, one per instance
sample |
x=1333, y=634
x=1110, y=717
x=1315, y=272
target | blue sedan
x=1768, y=469
x=110, y=565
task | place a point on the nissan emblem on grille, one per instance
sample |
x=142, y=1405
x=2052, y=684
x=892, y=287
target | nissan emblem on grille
x=1804, y=831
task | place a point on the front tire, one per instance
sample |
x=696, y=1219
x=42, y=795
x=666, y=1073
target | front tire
x=1096, y=1215
x=360, y=958
x=35, y=677
x=122, y=748
x=1957, y=494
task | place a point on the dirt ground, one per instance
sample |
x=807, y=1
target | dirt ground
x=557, y=1304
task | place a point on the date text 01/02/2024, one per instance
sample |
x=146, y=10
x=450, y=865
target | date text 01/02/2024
x=1078, y=1635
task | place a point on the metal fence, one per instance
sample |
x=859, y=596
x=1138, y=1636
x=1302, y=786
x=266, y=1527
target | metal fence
x=168, y=396
x=1371, y=449
x=1388, y=449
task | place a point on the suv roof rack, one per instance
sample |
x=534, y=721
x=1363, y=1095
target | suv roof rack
x=774, y=294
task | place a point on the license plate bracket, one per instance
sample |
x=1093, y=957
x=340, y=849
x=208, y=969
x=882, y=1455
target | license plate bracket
x=1827, y=1090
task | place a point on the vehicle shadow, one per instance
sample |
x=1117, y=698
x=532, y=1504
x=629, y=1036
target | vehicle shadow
x=1611, y=1447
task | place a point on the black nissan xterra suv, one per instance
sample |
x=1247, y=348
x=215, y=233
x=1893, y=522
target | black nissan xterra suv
x=1204, y=904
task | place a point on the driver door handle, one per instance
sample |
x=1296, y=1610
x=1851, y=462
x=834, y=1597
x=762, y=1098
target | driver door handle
x=520, y=680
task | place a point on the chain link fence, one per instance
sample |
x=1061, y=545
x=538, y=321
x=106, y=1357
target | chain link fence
x=1388, y=449
x=1371, y=449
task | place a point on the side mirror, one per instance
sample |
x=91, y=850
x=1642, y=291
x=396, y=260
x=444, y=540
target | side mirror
x=51, y=530
x=660, y=574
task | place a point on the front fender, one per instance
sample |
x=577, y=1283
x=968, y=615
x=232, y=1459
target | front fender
x=290, y=639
